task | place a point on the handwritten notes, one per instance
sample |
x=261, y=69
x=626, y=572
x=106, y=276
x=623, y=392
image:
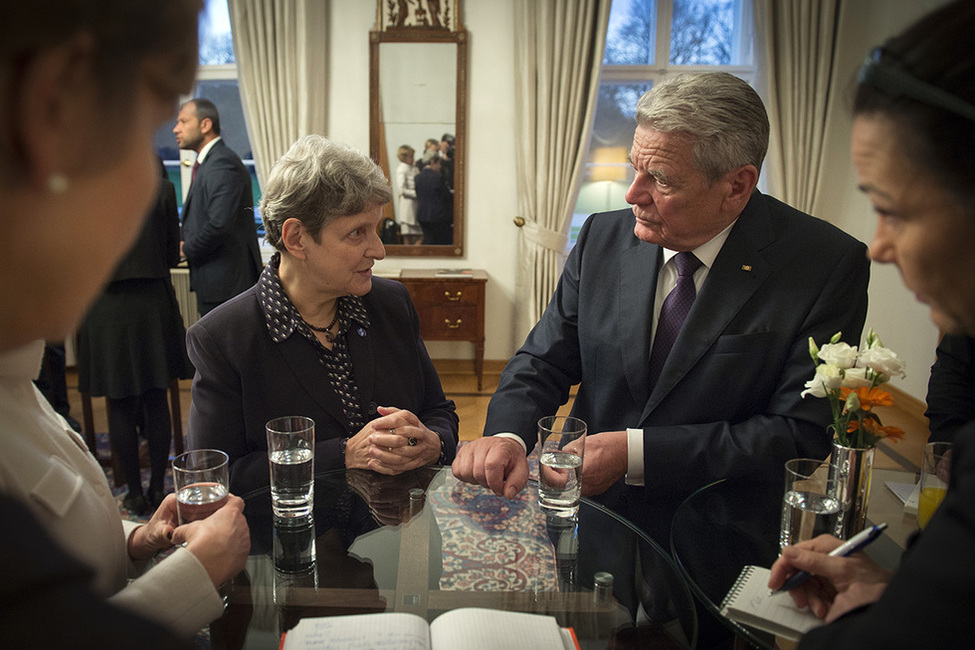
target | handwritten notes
x=461, y=629
x=750, y=602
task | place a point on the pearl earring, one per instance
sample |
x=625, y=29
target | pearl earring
x=57, y=183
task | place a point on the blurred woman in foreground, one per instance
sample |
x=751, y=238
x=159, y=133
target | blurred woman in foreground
x=914, y=150
x=85, y=85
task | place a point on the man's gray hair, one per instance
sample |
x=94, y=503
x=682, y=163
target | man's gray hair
x=316, y=181
x=722, y=114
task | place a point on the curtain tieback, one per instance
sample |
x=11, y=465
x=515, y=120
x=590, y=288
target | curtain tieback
x=545, y=237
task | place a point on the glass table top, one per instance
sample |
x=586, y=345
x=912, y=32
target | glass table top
x=426, y=543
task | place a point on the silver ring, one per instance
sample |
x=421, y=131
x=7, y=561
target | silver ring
x=411, y=441
x=392, y=432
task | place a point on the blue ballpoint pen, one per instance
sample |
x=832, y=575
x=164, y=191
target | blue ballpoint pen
x=856, y=543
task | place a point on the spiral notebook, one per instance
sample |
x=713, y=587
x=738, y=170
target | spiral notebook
x=751, y=603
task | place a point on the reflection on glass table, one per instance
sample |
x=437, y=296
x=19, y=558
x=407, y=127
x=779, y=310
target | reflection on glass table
x=425, y=543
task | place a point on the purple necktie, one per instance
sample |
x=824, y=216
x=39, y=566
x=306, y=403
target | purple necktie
x=196, y=166
x=673, y=312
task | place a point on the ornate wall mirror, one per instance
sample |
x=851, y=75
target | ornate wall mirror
x=418, y=91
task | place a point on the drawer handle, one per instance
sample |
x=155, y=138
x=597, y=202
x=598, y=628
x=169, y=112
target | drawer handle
x=452, y=326
x=453, y=298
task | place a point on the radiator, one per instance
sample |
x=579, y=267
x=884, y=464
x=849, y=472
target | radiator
x=185, y=297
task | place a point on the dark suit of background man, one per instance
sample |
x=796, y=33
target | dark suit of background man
x=219, y=233
x=727, y=400
x=434, y=205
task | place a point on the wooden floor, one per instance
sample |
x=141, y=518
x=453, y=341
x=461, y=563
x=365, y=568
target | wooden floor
x=460, y=385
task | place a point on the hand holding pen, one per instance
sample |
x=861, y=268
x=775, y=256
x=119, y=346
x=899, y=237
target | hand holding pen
x=855, y=544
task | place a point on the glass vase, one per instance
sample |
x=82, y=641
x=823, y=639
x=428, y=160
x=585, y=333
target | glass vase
x=851, y=468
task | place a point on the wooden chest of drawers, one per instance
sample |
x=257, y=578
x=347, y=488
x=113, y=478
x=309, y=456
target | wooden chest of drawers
x=450, y=308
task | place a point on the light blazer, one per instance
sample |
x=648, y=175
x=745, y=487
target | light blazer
x=243, y=379
x=219, y=234
x=727, y=401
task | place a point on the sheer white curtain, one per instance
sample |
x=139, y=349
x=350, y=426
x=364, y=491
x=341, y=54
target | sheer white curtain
x=796, y=64
x=281, y=71
x=558, y=52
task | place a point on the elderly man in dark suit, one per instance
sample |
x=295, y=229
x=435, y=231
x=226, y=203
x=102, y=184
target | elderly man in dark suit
x=725, y=401
x=219, y=234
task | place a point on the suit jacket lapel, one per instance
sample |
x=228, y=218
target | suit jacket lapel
x=639, y=266
x=738, y=271
x=198, y=181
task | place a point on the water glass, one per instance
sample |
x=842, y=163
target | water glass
x=291, y=454
x=935, y=471
x=201, y=481
x=809, y=505
x=561, y=444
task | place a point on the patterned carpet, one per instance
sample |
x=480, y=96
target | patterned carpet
x=490, y=543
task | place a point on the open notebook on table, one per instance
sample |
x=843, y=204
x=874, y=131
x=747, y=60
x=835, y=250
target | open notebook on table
x=750, y=602
x=468, y=628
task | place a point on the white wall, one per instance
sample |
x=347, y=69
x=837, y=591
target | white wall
x=903, y=323
x=492, y=240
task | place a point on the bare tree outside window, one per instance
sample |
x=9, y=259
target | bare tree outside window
x=701, y=32
x=216, y=41
x=632, y=33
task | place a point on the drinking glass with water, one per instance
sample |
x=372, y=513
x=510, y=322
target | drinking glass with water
x=809, y=505
x=291, y=454
x=561, y=446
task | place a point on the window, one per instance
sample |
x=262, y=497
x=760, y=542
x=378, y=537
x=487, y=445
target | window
x=646, y=41
x=217, y=81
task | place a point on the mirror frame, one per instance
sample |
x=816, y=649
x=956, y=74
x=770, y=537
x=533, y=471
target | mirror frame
x=458, y=37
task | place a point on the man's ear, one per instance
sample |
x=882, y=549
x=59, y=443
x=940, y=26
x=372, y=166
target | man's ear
x=741, y=183
x=54, y=106
x=206, y=126
x=293, y=237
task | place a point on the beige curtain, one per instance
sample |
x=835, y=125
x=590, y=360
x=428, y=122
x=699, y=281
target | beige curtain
x=281, y=63
x=558, y=52
x=795, y=63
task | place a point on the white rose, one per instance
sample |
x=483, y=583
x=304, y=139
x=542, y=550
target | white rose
x=840, y=354
x=856, y=378
x=882, y=361
x=828, y=378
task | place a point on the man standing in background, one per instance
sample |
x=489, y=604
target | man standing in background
x=219, y=233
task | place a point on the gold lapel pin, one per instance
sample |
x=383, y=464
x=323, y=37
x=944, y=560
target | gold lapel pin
x=746, y=267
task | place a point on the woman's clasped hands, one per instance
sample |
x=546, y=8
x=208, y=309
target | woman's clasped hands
x=838, y=584
x=393, y=443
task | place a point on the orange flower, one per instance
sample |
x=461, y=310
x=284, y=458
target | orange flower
x=874, y=428
x=869, y=396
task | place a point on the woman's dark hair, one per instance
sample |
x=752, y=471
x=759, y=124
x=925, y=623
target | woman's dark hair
x=924, y=80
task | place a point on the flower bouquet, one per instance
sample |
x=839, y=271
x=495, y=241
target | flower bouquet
x=851, y=380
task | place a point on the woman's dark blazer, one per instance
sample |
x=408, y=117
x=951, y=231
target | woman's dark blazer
x=243, y=379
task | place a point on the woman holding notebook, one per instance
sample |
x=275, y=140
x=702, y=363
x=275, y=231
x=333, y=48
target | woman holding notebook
x=914, y=150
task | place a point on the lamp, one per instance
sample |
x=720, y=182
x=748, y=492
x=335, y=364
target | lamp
x=608, y=164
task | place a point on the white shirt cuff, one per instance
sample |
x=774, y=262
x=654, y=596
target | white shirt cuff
x=513, y=436
x=634, y=457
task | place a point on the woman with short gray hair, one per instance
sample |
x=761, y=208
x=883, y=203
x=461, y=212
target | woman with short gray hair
x=318, y=335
